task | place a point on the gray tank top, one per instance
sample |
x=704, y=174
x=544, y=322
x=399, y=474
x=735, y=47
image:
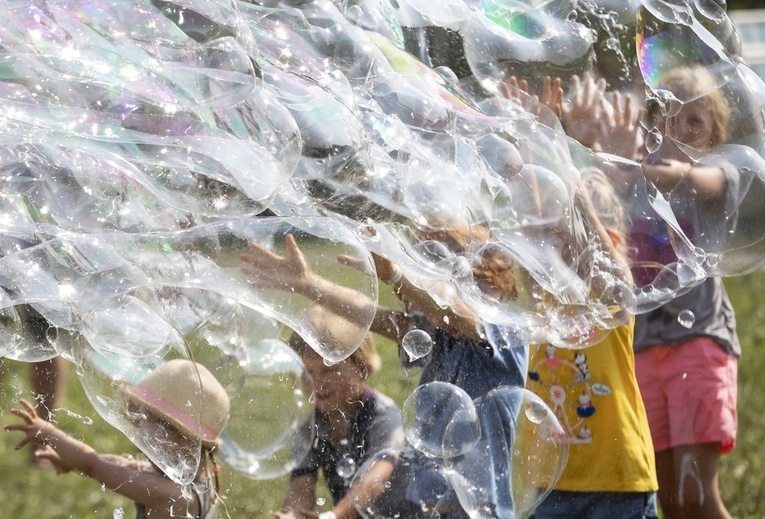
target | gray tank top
x=712, y=316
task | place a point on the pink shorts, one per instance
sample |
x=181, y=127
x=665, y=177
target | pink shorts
x=690, y=391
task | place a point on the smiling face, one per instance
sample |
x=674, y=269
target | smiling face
x=702, y=122
x=337, y=387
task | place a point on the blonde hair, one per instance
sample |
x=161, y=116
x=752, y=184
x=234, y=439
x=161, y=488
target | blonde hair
x=338, y=330
x=607, y=205
x=697, y=83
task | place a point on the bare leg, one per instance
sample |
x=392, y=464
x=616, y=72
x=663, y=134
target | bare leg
x=668, y=484
x=688, y=482
x=698, y=469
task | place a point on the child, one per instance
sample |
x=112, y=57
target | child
x=174, y=406
x=353, y=421
x=594, y=393
x=462, y=354
x=688, y=371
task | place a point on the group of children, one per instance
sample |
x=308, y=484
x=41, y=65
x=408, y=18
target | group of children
x=619, y=441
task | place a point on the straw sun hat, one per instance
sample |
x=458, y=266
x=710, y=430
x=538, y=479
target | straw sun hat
x=173, y=393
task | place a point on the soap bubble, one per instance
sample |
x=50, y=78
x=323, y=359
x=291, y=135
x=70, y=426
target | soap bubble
x=516, y=462
x=670, y=35
x=417, y=343
x=439, y=420
x=148, y=147
x=271, y=426
x=346, y=467
x=107, y=379
x=385, y=485
x=686, y=318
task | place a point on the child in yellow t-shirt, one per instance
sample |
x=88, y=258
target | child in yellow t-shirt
x=594, y=394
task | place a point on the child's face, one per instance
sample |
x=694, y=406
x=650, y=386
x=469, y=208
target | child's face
x=336, y=387
x=155, y=428
x=693, y=125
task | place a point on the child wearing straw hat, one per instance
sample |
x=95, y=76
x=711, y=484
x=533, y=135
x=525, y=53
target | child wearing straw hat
x=174, y=405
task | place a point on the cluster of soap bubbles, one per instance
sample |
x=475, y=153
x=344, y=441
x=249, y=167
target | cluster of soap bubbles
x=146, y=144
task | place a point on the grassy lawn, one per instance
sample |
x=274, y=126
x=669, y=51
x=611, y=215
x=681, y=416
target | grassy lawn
x=27, y=492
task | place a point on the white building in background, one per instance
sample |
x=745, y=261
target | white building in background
x=751, y=26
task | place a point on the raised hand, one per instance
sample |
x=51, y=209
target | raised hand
x=551, y=95
x=268, y=270
x=619, y=132
x=582, y=115
x=35, y=429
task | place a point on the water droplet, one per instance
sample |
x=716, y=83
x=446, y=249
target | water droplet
x=686, y=318
x=653, y=140
x=320, y=501
x=346, y=467
x=536, y=412
x=417, y=343
x=119, y=513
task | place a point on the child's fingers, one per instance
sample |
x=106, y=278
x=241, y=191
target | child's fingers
x=353, y=262
x=23, y=414
x=628, y=108
x=576, y=88
x=546, y=89
x=291, y=243
x=15, y=427
x=601, y=85
x=29, y=407
x=611, y=117
x=24, y=441
x=46, y=452
x=505, y=91
x=616, y=102
x=639, y=117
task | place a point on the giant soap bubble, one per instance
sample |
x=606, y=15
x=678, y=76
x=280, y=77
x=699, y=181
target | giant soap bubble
x=146, y=147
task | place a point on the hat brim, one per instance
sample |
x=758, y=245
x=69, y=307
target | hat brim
x=187, y=424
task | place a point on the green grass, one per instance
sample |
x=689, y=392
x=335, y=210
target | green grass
x=742, y=477
x=27, y=492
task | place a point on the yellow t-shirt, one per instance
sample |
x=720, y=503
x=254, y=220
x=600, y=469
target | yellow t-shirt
x=594, y=394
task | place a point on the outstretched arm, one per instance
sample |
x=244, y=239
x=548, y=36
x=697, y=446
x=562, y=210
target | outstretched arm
x=457, y=320
x=301, y=498
x=116, y=473
x=292, y=273
x=666, y=174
